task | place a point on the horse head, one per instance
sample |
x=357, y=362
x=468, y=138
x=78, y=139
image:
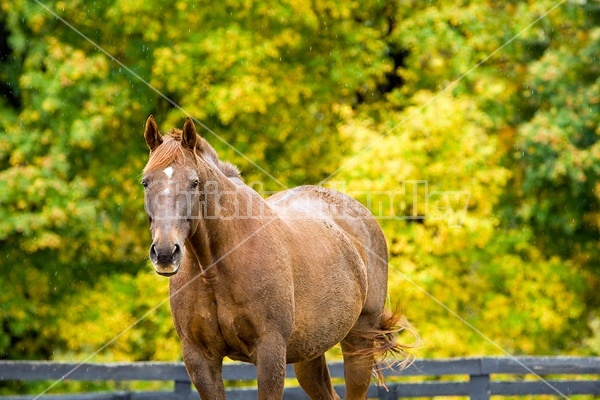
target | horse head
x=171, y=180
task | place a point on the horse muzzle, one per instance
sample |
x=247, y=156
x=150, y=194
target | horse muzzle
x=166, y=259
x=168, y=270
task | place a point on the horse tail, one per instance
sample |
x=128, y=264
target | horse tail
x=388, y=351
x=386, y=339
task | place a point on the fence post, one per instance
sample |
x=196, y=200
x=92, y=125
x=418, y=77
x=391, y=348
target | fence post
x=183, y=390
x=479, y=387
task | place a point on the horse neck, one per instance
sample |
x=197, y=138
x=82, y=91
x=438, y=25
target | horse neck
x=232, y=212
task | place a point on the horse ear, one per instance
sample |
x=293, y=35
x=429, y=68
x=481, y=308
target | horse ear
x=188, y=138
x=152, y=135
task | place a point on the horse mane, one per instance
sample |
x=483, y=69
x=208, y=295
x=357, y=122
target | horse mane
x=171, y=151
x=207, y=151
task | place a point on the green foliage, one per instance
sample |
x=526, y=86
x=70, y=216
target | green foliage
x=562, y=151
x=136, y=313
x=504, y=235
x=519, y=134
x=450, y=246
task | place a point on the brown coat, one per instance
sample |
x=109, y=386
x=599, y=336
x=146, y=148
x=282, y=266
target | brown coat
x=269, y=282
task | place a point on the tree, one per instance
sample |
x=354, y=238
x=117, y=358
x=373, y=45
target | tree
x=266, y=81
x=298, y=90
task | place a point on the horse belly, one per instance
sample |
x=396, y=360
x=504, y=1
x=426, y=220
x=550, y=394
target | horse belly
x=330, y=293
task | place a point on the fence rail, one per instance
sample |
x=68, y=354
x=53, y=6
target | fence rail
x=480, y=385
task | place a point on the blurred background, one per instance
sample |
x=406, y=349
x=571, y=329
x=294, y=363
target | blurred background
x=302, y=89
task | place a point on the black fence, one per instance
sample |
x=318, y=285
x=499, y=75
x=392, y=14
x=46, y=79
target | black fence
x=528, y=376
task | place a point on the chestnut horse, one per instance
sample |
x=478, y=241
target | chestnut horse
x=268, y=282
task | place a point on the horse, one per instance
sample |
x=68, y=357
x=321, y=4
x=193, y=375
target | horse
x=266, y=281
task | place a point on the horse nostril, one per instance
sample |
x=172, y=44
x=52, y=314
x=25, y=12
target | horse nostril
x=153, y=254
x=176, y=251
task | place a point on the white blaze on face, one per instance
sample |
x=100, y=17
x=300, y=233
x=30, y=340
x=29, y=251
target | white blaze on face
x=168, y=172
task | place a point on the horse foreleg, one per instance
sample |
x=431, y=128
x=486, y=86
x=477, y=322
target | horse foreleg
x=314, y=378
x=270, y=367
x=205, y=373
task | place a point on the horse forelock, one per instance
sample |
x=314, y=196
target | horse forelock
x=169, y=152
x=172, y=152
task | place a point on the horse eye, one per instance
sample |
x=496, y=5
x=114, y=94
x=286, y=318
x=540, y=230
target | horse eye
x=195, y=183
x=145, y=183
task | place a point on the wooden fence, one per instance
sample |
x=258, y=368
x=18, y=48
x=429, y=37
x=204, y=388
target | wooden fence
x=481, y=382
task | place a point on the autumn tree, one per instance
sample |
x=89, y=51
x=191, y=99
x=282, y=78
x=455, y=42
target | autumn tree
x=494, y=105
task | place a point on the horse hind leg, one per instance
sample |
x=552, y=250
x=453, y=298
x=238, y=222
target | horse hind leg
x=358, y=363
x=314, y=378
